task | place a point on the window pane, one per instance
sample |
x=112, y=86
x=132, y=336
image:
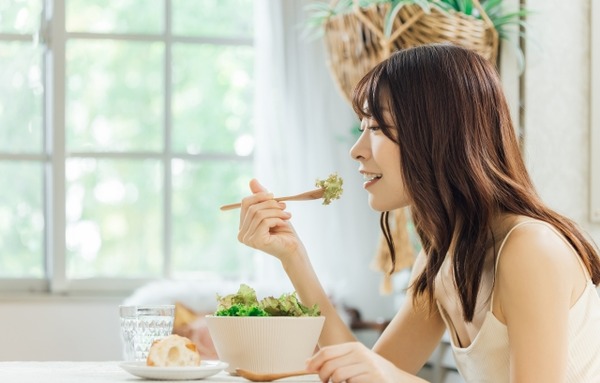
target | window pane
x=219, y=18
x=20, y=16
x=21, y=96
x=113, y=210
x=212, y=100
x=115, y=16
x=21, y=220
x=114, y=98
x=204, y=237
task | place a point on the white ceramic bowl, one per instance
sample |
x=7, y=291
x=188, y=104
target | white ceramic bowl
x=265, y=344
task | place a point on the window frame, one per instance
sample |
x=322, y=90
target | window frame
x=54, y=37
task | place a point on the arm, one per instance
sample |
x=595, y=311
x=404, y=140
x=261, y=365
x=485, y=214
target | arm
x=264, y=225
x=538, y=280
x=414, y=333
x=399, y=354
x=310, y=291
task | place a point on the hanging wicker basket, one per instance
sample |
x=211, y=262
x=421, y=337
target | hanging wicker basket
x=356, y=41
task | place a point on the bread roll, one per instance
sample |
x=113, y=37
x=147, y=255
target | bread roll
x=174, y=350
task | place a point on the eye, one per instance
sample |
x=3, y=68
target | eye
x=371, y=128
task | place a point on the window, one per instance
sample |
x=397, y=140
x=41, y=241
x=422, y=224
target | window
x=123, y=126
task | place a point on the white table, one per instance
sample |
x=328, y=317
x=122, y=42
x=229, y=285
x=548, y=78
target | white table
x=94, y=372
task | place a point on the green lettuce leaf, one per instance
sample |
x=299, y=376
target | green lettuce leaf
x=245, y=303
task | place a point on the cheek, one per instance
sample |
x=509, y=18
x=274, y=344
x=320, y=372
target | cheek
x=389, y=162
x=387, y=154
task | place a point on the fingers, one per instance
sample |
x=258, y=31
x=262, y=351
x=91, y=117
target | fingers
x=338, y=363
x=256, y=229
x=264, y=223
x=259, y=216
x=259, y=194
x=256, y=187
x=344, y=373
x=325, y=354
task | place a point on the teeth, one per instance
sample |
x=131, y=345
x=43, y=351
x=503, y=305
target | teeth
x=371, y=176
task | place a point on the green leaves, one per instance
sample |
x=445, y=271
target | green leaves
x=245, y=303
x=239, y=310
x=333, y=187
x=246, y=296
x=288, y=305
x=320, y=12
x=504, y=21
x=396, y=7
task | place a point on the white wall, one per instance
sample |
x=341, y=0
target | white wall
x=557, y=153
x=60, y=329
x=557, y=107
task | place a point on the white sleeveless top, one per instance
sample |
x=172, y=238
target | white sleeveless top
x=486, y=359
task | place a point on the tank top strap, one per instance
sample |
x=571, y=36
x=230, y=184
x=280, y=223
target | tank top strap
x=581, y=264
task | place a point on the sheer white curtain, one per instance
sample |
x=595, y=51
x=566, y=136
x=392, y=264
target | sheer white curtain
x=303, y=133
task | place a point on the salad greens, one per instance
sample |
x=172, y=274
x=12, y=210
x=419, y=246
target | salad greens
x=333, y=187
x=245, y=303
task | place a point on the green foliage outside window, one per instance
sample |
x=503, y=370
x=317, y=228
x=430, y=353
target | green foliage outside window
x=145, y=170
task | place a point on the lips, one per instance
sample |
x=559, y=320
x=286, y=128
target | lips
x=370, y=178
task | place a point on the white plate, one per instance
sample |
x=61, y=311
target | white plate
x=207, y=368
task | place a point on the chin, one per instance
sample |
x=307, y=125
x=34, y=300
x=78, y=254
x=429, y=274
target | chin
x=381, y=206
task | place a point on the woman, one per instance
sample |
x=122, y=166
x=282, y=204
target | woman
x=511, y=280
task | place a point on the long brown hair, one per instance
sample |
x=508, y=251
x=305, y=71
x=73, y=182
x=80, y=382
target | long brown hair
x=460, y=159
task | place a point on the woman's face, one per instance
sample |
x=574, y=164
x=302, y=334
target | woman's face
x=379, y=159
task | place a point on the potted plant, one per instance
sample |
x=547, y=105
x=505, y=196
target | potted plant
x=360, y=33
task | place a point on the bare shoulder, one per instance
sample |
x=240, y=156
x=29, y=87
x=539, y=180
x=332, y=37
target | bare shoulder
x=536, y=264
x=536, y=245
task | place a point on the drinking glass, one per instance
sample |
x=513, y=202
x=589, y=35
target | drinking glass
x=143, y=324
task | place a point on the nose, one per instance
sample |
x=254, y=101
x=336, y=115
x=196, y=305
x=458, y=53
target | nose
x=360, y=149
